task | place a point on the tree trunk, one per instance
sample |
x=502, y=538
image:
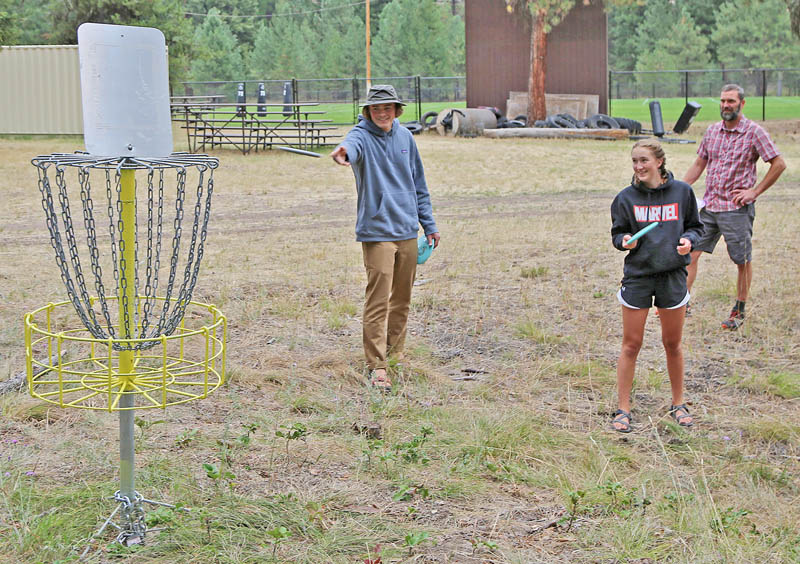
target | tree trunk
x=537, y=108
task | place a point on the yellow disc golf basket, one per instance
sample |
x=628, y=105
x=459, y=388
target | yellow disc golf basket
x=130, y=336
x=128, y=221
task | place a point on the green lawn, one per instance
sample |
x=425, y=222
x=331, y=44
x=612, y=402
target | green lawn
x=783, y=107
x=343, y=113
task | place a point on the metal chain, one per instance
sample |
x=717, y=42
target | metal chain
x=174, y=303
x=51, y=219
x=69, y=233
x=132, y=522
x=94, y=255
x=165, y=327
x=112, y=233
x=127, y=331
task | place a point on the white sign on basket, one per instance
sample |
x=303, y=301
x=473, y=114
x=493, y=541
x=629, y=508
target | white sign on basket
x=124, y=91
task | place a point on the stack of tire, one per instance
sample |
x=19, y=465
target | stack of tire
x=597, y=121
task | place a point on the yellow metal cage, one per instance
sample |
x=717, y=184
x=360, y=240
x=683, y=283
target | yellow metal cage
x=68, y=367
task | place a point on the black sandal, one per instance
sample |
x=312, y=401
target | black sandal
x=680, y=418
x=619, y=415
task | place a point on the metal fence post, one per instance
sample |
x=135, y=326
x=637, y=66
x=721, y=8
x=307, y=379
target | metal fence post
x=686, y=90
x=418, y=94
x=355, y=99
x=295, y=107
x=763, y=94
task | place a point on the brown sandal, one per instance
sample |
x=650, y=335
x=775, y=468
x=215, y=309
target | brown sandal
x=380, y=381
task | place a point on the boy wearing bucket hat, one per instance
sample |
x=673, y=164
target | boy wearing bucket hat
x=393, y=201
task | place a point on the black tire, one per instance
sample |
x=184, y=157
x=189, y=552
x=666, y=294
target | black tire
x=496, y=111
x=515, y=123
x=447, y=120
x=414, y=127
x=502, y=122
x=581, y=124
x=623, y=122
x=569, y=118
x=551, y=122
x=540, y=123
x=602, y=121
x=564, y=121
x=523, y=118
x=633, y=126
x=429, y=119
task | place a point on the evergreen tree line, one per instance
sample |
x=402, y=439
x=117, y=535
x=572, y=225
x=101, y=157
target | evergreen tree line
x=212, y=40
x=278, y=39
x=701, y=34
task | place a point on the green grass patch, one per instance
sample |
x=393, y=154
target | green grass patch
x=533, y=271
x=782, y=384
x=531, y=330
x=586, y=375
x=776, y=107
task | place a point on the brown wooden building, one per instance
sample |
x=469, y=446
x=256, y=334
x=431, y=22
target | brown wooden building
x=498, y=53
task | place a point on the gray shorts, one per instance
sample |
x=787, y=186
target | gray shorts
x=666, y=289
x=737, y=228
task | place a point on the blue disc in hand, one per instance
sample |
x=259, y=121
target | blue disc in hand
x=424, y=250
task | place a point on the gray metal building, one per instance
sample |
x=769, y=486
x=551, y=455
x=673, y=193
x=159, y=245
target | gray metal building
x=40, y=90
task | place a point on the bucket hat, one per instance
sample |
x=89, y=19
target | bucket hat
x=382, y=94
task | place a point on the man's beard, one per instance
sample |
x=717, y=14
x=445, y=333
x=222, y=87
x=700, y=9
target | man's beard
x=730, y=115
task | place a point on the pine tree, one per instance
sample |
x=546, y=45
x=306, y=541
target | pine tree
x=283, y=47
x=669, y=39
x=759, y=35
x=217, y=55
x=623, y=39
x=340, y=50
x=418, y=37
x=244, y=28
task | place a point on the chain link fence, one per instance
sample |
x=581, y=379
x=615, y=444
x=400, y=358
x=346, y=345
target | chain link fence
x=764, y=83
x=415, y=90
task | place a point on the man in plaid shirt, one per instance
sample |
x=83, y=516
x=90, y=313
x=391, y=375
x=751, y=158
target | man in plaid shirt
x=730, y=150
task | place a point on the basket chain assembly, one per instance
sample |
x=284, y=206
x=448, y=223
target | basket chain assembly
x=148, y=322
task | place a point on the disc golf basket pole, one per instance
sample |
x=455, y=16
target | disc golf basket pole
x=142, y=349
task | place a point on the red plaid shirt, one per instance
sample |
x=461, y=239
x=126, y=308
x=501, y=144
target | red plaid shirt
x=732, y=156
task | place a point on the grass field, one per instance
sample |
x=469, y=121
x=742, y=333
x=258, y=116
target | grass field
x=494, y=446
x=774, y=108
x=343, y=113
x=777, y=108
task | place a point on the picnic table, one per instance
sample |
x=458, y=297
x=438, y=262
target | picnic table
x=254, y=125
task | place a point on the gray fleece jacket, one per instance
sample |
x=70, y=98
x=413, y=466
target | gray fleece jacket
x=393, y=198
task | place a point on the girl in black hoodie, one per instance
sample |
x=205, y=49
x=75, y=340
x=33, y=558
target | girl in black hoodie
x=655, y=269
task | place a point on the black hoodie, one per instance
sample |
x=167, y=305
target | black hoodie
x=674, y=205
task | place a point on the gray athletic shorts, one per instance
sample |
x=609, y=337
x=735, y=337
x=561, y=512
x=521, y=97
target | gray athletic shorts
x=666, y=289
x=737, y=228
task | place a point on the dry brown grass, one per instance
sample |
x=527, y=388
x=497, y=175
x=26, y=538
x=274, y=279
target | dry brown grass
x=508, y=445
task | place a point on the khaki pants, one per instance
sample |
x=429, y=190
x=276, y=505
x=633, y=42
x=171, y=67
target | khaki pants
x=391, y=267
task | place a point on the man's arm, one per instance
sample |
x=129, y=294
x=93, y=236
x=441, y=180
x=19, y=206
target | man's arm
x=694, y=172
x=776, y=167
